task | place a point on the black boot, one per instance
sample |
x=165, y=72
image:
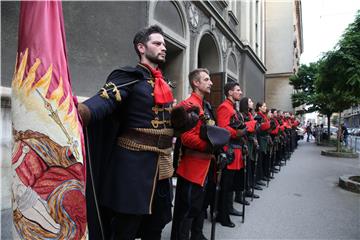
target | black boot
x=250, y=194
x=238, y=196
x=242, y=200
x=197, y=227
x=182, y=230
x=230, y=204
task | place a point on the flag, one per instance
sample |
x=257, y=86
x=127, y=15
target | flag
x=48, y=160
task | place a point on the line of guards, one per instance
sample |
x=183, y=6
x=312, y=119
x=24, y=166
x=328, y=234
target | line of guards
x=129, y=126
x=261, y=141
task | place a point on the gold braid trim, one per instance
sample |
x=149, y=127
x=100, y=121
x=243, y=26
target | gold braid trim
x=107, y=87
x=166, y=169
x=164, y=131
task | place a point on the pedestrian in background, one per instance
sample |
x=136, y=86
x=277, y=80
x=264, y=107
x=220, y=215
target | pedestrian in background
x=344, y=134
x=308, y=131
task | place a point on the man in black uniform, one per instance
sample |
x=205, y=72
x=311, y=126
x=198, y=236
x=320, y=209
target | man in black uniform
x=130, y=141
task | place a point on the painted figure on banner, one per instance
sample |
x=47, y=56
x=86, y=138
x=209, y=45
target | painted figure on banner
x=48, y=152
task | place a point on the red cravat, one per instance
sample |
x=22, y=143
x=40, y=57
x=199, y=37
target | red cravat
x=162, y=91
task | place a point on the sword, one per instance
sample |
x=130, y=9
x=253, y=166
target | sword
x=55, y=116
x=220, y=158
x=255, y=169
x=244, y=149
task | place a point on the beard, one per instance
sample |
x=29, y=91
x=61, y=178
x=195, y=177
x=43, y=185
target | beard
x=155, y=58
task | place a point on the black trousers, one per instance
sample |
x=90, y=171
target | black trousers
x=260, y=167
x=226, y=187
x=266, y=164
x=189, y=210
x=249, y=173
x=122, y=226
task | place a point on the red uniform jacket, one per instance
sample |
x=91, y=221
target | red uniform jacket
x=250, y=122
x=225, y=112
x=294, y=122
x=265, y=123
x=287, y=123
x=276, y=130
x=195, y=162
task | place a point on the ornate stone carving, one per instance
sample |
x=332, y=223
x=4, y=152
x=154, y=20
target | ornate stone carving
x=193, y=16
x=224, y=46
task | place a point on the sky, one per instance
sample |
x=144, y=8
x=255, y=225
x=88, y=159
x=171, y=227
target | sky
x=324, y=21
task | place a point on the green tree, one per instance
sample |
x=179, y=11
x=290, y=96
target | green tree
x=303, y=84
x=333, y=93
x=347, y=58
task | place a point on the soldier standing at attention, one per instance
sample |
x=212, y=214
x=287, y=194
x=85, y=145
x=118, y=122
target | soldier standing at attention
x=262, y=135
x=230, y=119
x=194, y=167
x=130, y=143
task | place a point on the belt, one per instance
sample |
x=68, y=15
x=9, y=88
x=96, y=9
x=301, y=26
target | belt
x=194, y=153
x=154, y=140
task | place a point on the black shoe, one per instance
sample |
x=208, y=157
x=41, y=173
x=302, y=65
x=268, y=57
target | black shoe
x=229, y=224
x=250, y=194
x=235, y=212
x=274, y=170
x=202, y=237
x=271, y=177
x=257, y=187
x=255, y=196
x=266, y=179
x=261, y=183
x=242, y=202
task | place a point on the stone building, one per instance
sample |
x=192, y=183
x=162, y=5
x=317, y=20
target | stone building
x=284, y=45
x=227, y=37
x=352, y=117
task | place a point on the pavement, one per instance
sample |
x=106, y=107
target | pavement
x=302, y=202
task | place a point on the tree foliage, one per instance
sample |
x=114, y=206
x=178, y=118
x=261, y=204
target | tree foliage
x=332, y=84
x=303, y=84
x=348, y=58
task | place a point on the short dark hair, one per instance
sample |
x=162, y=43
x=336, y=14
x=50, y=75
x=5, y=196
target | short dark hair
x=142, y=36
x=273, y=110
x=230, y=85
x=194, y=75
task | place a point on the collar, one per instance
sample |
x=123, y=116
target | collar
x=230, y=102
x=198, y=98
x=262, y=115
x=146, y=72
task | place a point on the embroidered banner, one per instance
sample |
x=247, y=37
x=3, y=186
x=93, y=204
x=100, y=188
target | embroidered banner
x=48, y=160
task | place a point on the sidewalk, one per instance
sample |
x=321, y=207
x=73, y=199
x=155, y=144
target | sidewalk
x=302, y=202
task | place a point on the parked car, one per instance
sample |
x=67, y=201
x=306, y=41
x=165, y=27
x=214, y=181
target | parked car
x=356, y=132
x=333, y=130
x=350, y=131
x=300, y=132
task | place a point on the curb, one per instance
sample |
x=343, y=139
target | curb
x=348, y=184
x=331, y=153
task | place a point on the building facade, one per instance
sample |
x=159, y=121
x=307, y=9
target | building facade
x=352, y=117
x=283, y=45
x=224, y=36
x=227, y=37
